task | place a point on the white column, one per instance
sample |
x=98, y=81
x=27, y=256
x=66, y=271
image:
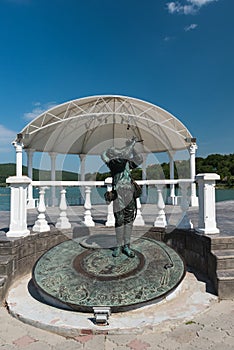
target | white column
x=18, y=149
x=82, y=176
x=192, y=151
x=63, y=222
x=207, y=216
x=88, y=220
x=30, y=200
x=172, y=198
x=144, y=194
x=18, y=214
x=41, y=224
x=161, y=220
x=53, y=156
x=110, y=222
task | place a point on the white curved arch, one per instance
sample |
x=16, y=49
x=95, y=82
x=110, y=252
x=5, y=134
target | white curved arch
x=77, y=126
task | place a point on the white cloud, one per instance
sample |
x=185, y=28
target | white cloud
x=38, y=109
x=174, y=7
x=7, y=136
x=187, y=8
x=190, y=27
x=201, y=3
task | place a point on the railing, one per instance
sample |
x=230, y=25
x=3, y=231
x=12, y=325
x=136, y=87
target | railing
x=63, y=222
x=18, y=224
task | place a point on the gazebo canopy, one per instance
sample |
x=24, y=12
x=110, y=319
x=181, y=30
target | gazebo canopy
x=90, y=125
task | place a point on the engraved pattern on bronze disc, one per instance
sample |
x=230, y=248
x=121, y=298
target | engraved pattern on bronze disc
x=101, y=265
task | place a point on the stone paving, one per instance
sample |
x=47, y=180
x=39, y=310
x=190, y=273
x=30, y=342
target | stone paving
x=224, y=216
x=213, y=329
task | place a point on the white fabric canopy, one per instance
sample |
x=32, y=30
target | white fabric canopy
x=90, y=125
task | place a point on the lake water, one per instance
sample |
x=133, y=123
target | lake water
x=97, y=196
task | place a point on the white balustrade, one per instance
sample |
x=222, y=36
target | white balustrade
x=172, y=197
x=110, y=222
x=88, y=220
x=207, y=221
x=160, y=220
x=41, y=224
x=139, y=221
x=62, y=221
x=31, y=202
x=185, y=222
x=192, y=151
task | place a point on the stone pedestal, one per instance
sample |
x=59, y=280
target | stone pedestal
x=18, y=216
x=207, y=215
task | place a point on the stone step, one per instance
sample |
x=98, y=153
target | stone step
x=224, y=258
x=220, y=243
x=225, y=283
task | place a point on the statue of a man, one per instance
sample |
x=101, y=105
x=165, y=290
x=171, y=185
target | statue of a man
x=120, y=162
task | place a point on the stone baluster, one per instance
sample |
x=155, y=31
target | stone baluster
x=207, y=216
x=62, y=221
x=110, y=222
x=139, y=221
x=41, y=224
x=160, y=220
x=185, y=222
x=88, y=220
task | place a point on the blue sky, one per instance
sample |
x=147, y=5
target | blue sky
x=178, y=55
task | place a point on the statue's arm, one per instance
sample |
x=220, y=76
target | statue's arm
x=136, y=160
x=105, y=158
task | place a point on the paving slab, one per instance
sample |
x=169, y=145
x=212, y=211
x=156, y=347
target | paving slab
x=185, y=302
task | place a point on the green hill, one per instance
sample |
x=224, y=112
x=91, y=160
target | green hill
x=7, y=170
x=214, y=163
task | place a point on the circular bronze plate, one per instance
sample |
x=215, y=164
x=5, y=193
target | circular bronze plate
x=71, y=276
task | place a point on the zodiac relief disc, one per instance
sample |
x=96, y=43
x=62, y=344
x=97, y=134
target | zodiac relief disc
x=73, y=277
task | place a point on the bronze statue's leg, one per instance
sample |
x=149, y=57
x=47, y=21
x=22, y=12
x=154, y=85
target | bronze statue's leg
x=127, y=236
x=119, y=231
x=127, y=233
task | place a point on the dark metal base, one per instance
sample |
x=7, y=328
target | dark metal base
x=73, y=277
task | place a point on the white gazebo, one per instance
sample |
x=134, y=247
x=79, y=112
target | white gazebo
x=87, y=126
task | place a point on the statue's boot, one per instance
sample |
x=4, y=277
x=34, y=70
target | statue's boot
x=127, y=251
x=119, y=237
x=116, y=252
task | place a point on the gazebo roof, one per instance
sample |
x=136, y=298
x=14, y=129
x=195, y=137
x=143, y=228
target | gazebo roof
x=89, y=125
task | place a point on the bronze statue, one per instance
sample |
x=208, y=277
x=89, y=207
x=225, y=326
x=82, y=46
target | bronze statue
x=124, y=192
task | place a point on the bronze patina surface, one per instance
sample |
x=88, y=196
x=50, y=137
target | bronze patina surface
x=81, y=278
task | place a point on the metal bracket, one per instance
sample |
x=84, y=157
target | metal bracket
x=101, y=315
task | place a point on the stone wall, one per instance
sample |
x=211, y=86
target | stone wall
x=17, y=256
x=193, y=247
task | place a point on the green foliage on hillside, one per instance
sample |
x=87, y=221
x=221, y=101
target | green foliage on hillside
x=214, y=163
x=7, y=170
x=220, y=164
